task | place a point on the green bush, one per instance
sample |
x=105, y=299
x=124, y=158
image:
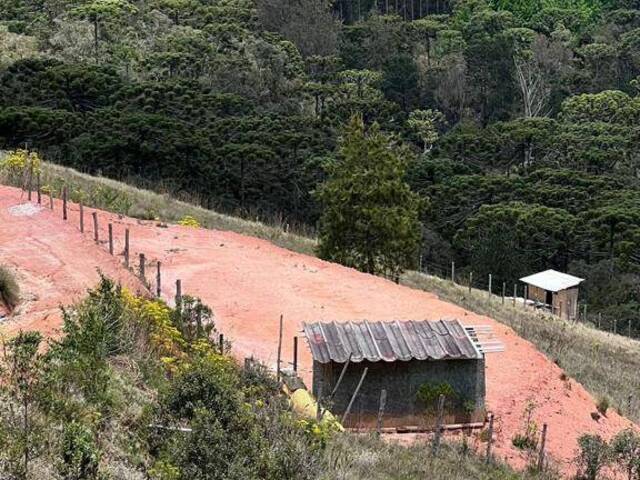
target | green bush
x=80, y=456
x=593, y=456
x=429, y=393
x=9, y=289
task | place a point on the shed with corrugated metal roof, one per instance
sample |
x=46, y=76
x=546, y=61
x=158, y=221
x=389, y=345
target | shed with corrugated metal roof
x=401, y=357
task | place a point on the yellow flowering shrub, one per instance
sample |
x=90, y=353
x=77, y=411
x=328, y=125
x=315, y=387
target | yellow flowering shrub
x=189, y=221
x=163, y=335
x=15, y=162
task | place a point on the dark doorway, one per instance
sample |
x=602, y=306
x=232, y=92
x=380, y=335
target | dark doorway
x=549, y=299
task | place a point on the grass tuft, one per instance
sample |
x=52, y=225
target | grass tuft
x=9, y=289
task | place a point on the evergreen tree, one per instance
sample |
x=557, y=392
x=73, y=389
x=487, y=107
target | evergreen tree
x=371, y=216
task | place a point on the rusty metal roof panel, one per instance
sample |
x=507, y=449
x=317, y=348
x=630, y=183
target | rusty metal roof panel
x=390, y=341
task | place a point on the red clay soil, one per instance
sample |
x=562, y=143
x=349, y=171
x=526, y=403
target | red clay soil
x=249, y=283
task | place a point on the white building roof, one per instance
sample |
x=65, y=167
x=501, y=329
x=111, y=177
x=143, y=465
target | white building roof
x=552, y=280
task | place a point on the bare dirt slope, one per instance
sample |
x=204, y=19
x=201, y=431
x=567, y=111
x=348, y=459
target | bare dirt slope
x=249, y=283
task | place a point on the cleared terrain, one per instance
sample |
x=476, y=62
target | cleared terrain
x=250, y=282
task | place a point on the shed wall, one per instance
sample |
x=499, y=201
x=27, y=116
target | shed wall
x=402, y=381
x=565, y=303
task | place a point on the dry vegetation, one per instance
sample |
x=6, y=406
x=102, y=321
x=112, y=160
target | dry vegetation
x=9, y=289
x=605, y=364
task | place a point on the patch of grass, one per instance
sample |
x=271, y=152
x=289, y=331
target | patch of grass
x=605, y=364
x=9, y=289
x=351, y=457
x=603, y=405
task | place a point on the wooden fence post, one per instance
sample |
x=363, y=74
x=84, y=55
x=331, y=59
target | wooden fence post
x=279, y=349
x=436, y=438
x=489, y=290
x=353, y=397
x=453, y=272
x=29, y=182
x=526, y=296
x=489, y=440
x=504, y=291
x=295, y=354
x=50, y=198
x=126, y=248
x=319, y=402
x=221, y=343
x=158, y=280
x=515, y=293
x=64, y=203
x=470, y=280
x=543, y=442
x=38, y=187
x=141, y=269
x=383, y=402
x=81, y=218
x=111, y=239
x=178, y=293
x=615, y=325
x=95, y=226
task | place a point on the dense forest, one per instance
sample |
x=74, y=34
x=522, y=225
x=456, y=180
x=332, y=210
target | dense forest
x=518, y=120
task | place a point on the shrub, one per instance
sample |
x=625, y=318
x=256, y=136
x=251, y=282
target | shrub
x=594, y=454
x=524, y=441
x=603, y=405
x=80, y=456
x=625, y=448
x=9, y=290
x=189, y=221
x=429, y=393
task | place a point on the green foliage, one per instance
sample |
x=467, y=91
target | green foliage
x=593, y=456
x=429, y=393
x=9, y=289
x=370, y=218
x=80, y=456
x=625, y=448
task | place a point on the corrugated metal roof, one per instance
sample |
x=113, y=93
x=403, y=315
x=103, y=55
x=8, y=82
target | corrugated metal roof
x=389, y=341
x=552, y=280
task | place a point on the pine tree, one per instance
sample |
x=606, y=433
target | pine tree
x=371, y=217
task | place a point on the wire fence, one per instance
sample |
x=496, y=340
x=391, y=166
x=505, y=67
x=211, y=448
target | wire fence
x=516, y=294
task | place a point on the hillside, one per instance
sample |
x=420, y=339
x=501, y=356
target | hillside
x=249, y=283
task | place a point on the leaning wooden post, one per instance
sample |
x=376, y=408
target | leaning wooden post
x=158, y=280
x=38, y=188
x=126, y=248
x=178, y=293
x=221, y=343
x=64, y=203
x=353, y=397
x=470, y=281
x=543, y=441
x=489, y=290
x=81, y=218
x=295, y=354
x=279, y=349
x=436, y=438
x=344, y=370
x=504, y=291
x=111, y=239
x=489, y=440
x=95, y=226
x=383, y=402
x=50, y=198
x=453, y=272
x=319, y=402
x=141, y=268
